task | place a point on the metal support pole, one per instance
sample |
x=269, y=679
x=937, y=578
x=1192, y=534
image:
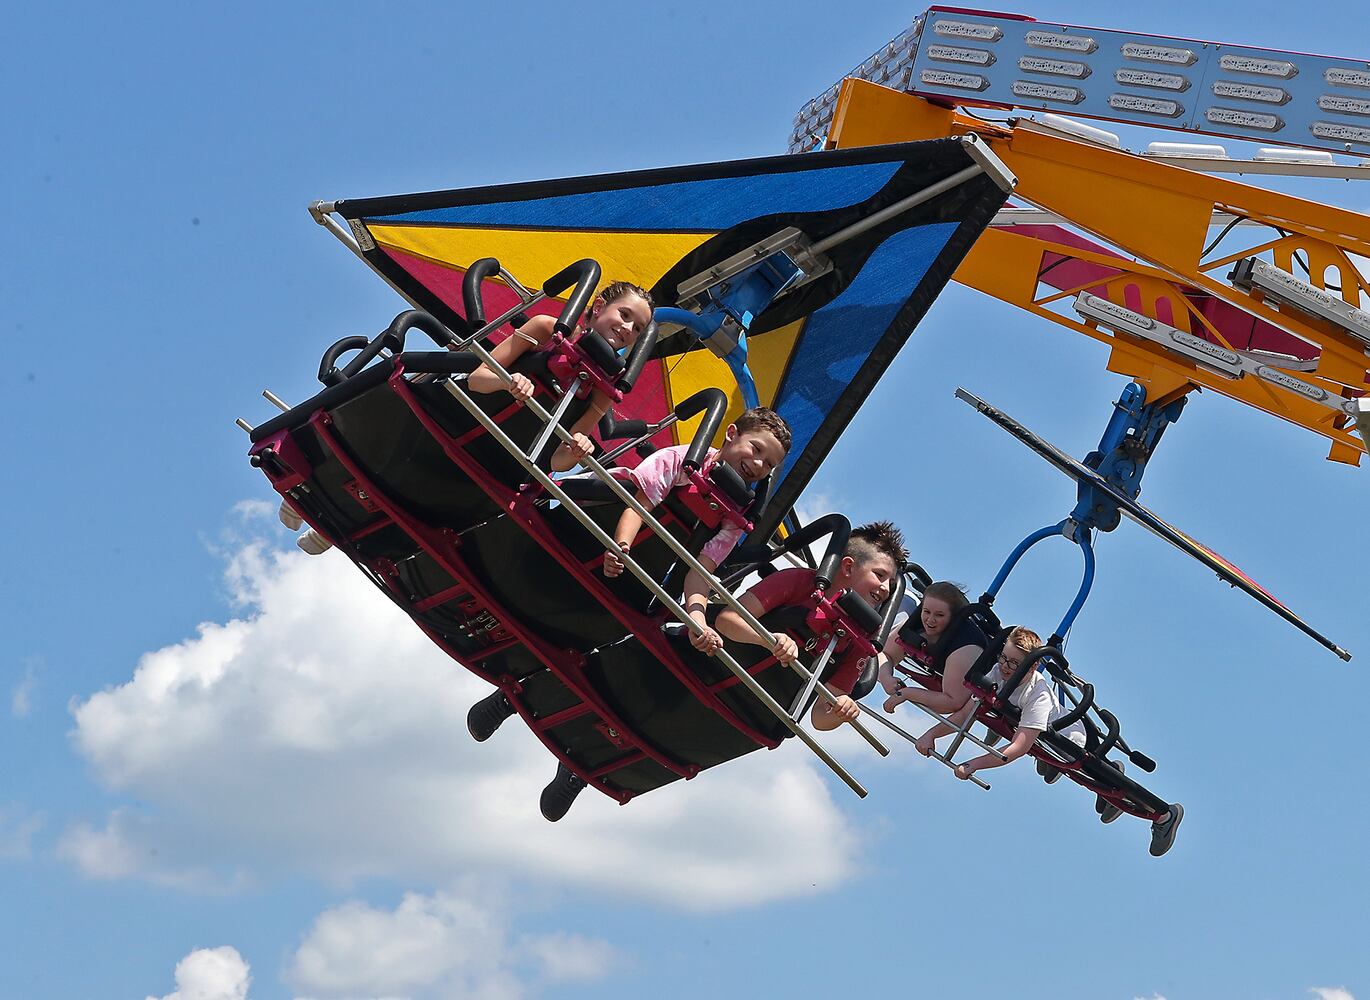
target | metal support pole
x=545, y=434
x=797, y=709
x=913, y=739
x=898, y=208
x=965, y=727
x=275, y=401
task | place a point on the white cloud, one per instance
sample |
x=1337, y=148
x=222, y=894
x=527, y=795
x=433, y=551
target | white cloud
x=440, y=946
x=17, y=829
x=211, y=974
x=322, y=731
x=1154, y=996
x=1331, y=993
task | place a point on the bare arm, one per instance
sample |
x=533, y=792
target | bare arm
x=954, y=692
x=730, y=623
x=696, y=601
x=1023, y=741
x=506, y=352
x=629, y=524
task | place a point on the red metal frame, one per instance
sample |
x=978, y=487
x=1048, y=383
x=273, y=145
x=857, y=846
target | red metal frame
x=520, y=506
x=442, y=545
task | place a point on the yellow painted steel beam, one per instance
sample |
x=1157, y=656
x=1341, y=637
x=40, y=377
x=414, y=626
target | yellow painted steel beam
x=1161, y=215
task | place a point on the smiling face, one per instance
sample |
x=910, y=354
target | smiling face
x=621, y=321
x=870, y=579
x=1010, y=660
x=936, y=616
x=753, y=454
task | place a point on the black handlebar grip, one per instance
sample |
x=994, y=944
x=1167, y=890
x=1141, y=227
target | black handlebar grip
x=637, y=358
x=1078, y=712
x=584, y=275
x=714, y=405
x=597, y=349
x=471, y=298
x=328, y=364
x=610, y=428
x=890, y=611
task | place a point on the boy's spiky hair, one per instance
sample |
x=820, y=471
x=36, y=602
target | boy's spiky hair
x=877, y=537
x=763, y=418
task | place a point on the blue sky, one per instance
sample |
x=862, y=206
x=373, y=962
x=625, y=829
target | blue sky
x=221, y=754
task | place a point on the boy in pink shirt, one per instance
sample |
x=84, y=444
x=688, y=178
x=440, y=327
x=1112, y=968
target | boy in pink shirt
x=754, y=447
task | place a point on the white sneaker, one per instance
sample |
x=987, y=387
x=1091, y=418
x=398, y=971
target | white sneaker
x=288, y=516
x=313, y=543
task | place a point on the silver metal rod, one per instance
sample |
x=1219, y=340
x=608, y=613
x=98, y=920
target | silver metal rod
x=913, y=739
x=965, y=727
x=546, y=433
x=322, y=213
x=673, y=543
x=974, y=739
x=244, y=425
x=890, y=211
x=275, y=400
x=517, y=286
x=600, y=535
x=797, y=709
x=495, y=324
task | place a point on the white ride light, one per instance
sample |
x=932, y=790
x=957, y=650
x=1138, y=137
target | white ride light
x=1344, y=76
x=958, y=54
x=1115, y=317
x=1148, y=105
x=967, y=29
x=1344, y=105
x=1250, y=92
x=1082, y=44
x=1055, y=67
x=1246, y=119
x=1047, y=92
x=962, y=81
x=1193, y=150
x=1281, y=68
x=1283, y=287
x=1150, y=78
x=1338, y=130
x=1146, y=52
x=1289, y=154
x=1070, y=126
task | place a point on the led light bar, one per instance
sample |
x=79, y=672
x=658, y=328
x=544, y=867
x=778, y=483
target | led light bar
x=1115, y=317
x=1283, y=287
x=1212, y=357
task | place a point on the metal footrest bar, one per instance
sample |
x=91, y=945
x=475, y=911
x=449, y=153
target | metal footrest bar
x=797, y=709
x=913, y=739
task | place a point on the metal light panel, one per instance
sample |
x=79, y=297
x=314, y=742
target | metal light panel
x=1278, y=284
x=1116, y=317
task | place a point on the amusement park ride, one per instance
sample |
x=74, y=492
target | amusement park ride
x=792, y=282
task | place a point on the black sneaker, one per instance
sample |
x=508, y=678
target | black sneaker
x=1163, y=830
x=560, y=792
x=487, y=714
x=1049, y=773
